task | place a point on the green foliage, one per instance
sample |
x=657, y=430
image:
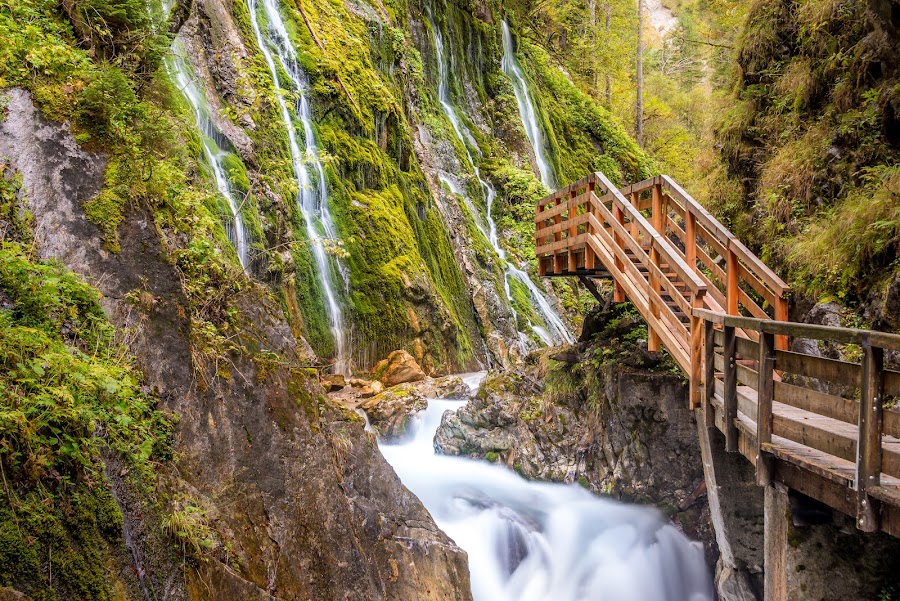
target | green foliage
x=809, y=147
x=68, y=394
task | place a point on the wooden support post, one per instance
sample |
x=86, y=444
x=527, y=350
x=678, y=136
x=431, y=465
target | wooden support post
x=538, y=225
x=690, y=242
x=868, y=451
x=730, y=397
x=696, y=351
x=573, y=264
x=657, y=219
x=558, y=263
x=781, y=314
x=775, y=543
x=765, y=398
x=635, y=202
x=618, y=290
x=573, y=213
x=653, y=343
x=590, y=259
x=731, y=285
x=709, y=375
x=557, y=219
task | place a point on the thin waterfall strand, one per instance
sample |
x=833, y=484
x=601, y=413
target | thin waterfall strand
x=511, y=67
x=558, y=332
x=213, y=142
x=312, y=195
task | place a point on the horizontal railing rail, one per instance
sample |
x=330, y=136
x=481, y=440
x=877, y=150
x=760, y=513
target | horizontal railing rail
x=826, y=415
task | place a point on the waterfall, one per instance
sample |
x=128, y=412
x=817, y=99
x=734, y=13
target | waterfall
x=526, y=108
x=312, y=194
x=558, y=332
x=532, y=541
x=214, y=144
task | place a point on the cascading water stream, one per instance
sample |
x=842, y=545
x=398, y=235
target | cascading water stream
x=511, y=67
x=312, y=195
x=530, y=541
x=213, y=142
x=558, y=332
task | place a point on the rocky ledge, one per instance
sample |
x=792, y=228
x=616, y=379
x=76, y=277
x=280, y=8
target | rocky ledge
x=605, y=413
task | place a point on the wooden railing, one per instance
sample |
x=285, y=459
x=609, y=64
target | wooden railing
x=816, y=424
x=591, y=221
x=738, y=282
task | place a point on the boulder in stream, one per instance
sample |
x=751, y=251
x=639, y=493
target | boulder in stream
x=399, y=368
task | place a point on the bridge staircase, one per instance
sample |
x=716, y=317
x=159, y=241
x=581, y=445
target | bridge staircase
x=817, y=425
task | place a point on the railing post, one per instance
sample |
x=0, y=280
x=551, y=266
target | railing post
x=636, y=203
x=573, y=230
x=589, y=257
x=690, y=242
x=868, y=449
x=781, y=314
x=656, y=212
x=709, y=376
x=696, y=350
x=618, y=291
x=731, y=285
x=730, y=396
x=653, y=342
x=538, y=225
x=764, y=417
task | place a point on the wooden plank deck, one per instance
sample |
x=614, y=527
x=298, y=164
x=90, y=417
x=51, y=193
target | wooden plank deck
x=687, y=274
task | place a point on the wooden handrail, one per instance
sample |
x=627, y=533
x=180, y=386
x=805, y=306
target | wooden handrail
x=840, y=335
x=694, y=284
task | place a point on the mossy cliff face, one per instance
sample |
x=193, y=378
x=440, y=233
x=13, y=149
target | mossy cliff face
x=811, y=142
x=274, y=492
x=421, y=276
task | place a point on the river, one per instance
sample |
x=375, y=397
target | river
x=531, y=541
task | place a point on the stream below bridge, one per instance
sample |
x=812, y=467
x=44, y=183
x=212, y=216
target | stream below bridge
x=531, y=541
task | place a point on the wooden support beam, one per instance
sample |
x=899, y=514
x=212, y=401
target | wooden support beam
x=619, y=216
x=709, y=375
x=868, y=450
x=765, y=463
x=557, y=219
x=690, y=243
x=732, y=292
x=592, y=288
x=696, y=353
x=730, y=399
x=775, y=543
x=653, y=342
x=781, y=314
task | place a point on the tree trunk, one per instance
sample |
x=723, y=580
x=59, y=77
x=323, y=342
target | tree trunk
x=639, y=112
x=608, y=80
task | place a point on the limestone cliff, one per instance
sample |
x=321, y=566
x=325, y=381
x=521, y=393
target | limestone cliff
x=299, y=501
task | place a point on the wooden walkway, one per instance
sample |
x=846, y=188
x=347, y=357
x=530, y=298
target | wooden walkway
x=814, y=424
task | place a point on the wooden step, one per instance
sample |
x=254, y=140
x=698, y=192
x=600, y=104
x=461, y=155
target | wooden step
x=886, y=494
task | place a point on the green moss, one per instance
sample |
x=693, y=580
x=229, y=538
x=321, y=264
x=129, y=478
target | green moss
x=491, y=456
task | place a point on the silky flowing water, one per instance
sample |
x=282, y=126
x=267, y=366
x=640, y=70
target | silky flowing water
x=530, y=541
x=556, y=331
x=512, y=68
x=214, y=144
x=312, y=195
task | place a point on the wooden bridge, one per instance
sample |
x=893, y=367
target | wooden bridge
x=814, y=424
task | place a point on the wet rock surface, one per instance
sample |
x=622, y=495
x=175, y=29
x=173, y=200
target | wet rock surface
x=303, y=504
x=399, y=368
x=618, y=430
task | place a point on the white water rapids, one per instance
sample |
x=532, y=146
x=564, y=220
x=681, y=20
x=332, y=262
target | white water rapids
x=511, y=67
x=556, y=331
x=214, y=144
x=312, y=194
x=530, y=541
